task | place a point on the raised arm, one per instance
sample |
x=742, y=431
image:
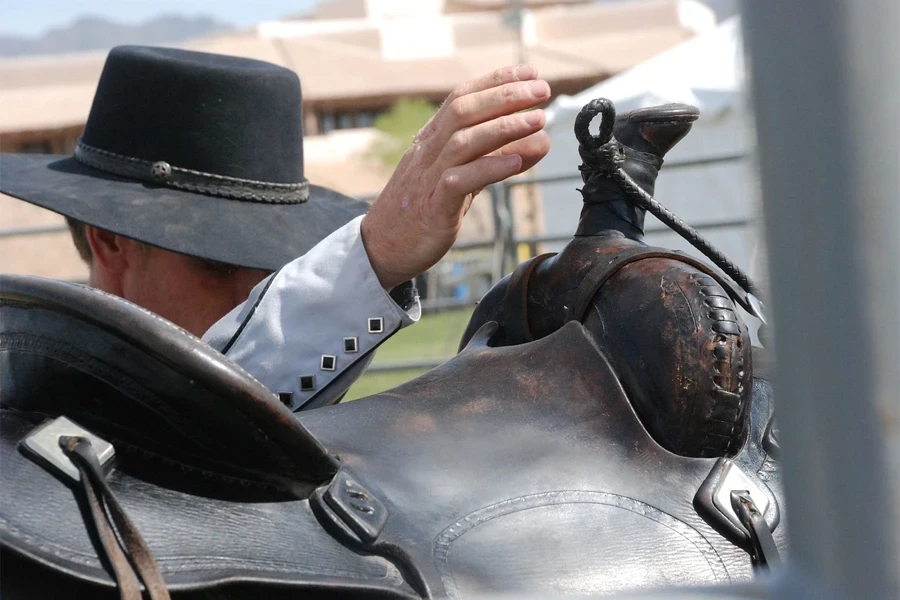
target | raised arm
x=309, y=331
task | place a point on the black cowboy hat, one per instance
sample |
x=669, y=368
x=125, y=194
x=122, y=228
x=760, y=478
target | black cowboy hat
x=197, y=153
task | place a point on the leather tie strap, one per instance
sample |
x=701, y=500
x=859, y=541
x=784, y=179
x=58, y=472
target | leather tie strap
x=515, y=303
x=603, y=271
x=211, y=184
x=763, y=550
x=109, y=519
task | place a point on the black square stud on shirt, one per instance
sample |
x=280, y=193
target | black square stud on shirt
x=376, y=325
x=307, y=383
x=351, y=345
x=287, y=398
x=328, y=362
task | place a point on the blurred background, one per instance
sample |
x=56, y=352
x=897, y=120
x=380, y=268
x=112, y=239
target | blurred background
x=373, y=71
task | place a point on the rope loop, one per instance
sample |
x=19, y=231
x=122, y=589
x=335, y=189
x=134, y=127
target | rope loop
x=597, y=106
x=601, y=153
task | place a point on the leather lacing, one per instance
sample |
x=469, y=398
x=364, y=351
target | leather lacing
x=124, y=548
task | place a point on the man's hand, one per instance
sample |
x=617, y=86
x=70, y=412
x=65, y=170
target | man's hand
x=476, y=138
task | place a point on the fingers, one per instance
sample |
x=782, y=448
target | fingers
x=418, y=214
x=473, y=142
x=532, y=149
x=451, y=195
x=483, y=106
x=497, y=94
x=497, y=78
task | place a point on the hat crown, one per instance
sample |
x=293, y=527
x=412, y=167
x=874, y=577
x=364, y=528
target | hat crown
x=216, y=114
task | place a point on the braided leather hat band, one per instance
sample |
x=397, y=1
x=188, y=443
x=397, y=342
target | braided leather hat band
x=162, y=173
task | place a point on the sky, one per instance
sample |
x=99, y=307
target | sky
x=33, y=17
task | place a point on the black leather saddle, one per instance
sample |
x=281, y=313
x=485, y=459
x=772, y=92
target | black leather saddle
x=507, y=469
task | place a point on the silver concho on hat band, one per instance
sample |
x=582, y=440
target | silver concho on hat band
x=161, y=170
x=162, y=173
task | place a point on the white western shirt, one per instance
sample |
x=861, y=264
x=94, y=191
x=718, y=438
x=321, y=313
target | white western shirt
x=308, y=331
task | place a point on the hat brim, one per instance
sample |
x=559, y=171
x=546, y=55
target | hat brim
x=242, y=233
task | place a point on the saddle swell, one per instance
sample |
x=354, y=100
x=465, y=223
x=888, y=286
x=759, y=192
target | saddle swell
x=688, y=375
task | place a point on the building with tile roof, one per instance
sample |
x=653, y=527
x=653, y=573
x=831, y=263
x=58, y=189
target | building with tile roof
x=355, y=59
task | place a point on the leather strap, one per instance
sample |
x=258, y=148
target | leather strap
x=603, y=271
x=515, y=319
x=108, y=518
x=763, y=550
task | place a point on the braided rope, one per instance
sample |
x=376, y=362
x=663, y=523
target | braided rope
x=693, y=237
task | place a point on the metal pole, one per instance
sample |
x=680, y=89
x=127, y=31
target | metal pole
x=511, y=252
x=515, y=9
x=825, y=81
x=497, y=272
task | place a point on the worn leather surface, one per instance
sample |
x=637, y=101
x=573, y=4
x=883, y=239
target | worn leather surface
x=141, y=380
x=525, y=469
x=687, y=375
x=211, y=468
x=508, y=469
x=203, y=533
x=666, y=322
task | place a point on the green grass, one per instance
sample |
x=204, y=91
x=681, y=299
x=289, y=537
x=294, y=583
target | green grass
x=372, y=383
x=436, y=336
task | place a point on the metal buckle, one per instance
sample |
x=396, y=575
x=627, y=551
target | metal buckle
x=355, y=511
x=733, y=479
x=43, y=446
x=763, y=552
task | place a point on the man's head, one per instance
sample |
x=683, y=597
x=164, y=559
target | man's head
x=186, y=154
x=191, y=292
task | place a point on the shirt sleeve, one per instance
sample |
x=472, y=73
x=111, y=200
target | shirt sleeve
x=309, y=330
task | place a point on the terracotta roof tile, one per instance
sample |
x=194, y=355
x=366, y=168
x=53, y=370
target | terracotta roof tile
x=589, y=41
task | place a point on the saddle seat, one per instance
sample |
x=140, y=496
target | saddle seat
x=507, y=469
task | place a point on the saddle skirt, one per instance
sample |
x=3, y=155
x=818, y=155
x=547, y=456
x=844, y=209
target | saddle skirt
x=525, y=468
x=507, y=469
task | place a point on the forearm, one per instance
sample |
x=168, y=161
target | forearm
x=317, y=318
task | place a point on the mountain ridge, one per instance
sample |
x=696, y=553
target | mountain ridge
x=98, y=33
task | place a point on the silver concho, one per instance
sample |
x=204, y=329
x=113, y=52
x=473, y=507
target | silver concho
x=161, y=170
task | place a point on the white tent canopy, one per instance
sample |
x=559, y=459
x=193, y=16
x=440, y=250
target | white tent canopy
x=706, y=71
x=708, y=179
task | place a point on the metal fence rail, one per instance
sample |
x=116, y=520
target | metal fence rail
x=503, y=246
